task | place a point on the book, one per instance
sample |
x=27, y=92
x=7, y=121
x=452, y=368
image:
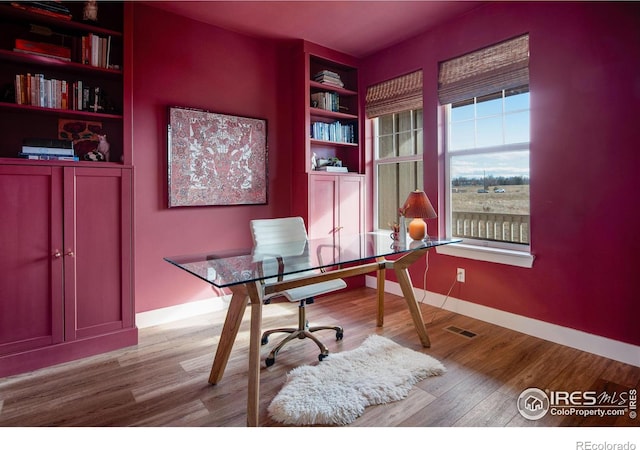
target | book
x=26, y=149
x=334, y=169
x=43, y=48
x=47, y=143
x=48, y=157
x=39, y=8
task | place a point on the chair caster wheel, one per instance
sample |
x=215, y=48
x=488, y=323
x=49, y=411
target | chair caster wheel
x=339, y=335
x=322, y=356
x=264, y=340
x=270, y=362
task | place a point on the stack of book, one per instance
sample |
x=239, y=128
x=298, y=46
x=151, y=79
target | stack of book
x=329, y=101
x=48, y=149
x=334, y=132
x=328, y=77
x=51, y=9
x=43, y=49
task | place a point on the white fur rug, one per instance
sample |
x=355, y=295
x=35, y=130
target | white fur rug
x=337, y=390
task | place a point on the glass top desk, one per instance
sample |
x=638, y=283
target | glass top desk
x=254, y=272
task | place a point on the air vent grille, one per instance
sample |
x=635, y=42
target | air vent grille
x=461, y=331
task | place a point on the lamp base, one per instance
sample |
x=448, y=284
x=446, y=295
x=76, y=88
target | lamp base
x=418, y=229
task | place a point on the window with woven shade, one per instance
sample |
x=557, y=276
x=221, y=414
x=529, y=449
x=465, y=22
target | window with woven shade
x=392, y=96
x=492, y=69
x=396, y=109
x=486, y=99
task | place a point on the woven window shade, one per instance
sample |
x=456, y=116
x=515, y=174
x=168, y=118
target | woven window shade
x=489, y=70
x=396, y=95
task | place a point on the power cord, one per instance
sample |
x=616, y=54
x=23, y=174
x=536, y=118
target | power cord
x=424, y=289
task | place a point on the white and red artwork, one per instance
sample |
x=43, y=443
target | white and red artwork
x=216, y=159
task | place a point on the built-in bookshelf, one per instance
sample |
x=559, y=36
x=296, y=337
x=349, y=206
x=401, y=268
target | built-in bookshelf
x=55, y=66
x=68, y=210
x=333, y=113
x=326, y=129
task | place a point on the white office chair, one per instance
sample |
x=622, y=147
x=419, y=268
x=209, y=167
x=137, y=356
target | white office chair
x=274, y=241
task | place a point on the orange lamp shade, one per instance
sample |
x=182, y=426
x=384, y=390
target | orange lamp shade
x=417, y=229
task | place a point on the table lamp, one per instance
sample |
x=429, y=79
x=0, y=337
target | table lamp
x=419, y=208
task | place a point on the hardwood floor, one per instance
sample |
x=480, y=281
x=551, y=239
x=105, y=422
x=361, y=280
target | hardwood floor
x=163, y=380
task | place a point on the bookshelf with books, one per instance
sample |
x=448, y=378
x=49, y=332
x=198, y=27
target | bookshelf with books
x=329, y=167
x=68, y=232
x=56, y=66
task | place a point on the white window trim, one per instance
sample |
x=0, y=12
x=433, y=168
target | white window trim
x=489, y=254
x=518, y=255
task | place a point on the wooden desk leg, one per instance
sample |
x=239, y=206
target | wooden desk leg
x=230, y=329
x=380, y=288
x=253, y=388
x=401, y=267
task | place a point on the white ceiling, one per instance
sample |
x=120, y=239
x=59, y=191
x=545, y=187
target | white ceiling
x=358, y=28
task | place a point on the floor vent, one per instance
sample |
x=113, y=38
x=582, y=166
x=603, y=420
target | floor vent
x=462, y=332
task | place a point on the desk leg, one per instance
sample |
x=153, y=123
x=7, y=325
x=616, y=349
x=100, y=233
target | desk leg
x=230, y=329
x=253, y=389
x=380, y=287
x=401, y=267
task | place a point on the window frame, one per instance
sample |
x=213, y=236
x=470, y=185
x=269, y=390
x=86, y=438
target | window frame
x=377, y=161
x=516, y=254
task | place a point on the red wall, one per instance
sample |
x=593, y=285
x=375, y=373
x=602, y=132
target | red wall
x=585, y=91
x=585, y=105
x=181, y=62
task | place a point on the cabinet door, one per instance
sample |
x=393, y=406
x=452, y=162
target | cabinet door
x=350, y=205
x=336, y=203
x=97, y=247
x=31, y=267
x=323, y=196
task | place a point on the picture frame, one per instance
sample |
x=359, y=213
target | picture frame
x=216, y=159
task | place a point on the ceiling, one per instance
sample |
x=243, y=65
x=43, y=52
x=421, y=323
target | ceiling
x=358, y=28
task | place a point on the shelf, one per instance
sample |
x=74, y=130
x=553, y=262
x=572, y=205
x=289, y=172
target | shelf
x=317, y=112
x=54, y=63
x=8, y=161
x=60, y=24
x=58, y=112
x=329, y=87
x=333, y=143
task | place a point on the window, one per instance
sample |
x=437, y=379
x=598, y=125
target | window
x=396, y=107
x=487, y=108
x=487, y=161
x=398, y=164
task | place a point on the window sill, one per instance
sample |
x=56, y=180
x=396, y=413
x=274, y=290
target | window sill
x=495, y=255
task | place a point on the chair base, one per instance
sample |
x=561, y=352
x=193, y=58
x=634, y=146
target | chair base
x=302, y=332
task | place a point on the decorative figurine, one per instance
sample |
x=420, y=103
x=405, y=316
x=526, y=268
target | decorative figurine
x=103, y=146
x=90, y=11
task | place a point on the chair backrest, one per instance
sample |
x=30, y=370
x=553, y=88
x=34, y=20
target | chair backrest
x=278, y=231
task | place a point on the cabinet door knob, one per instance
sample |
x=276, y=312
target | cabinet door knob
x=69, y=253
x=57, y=254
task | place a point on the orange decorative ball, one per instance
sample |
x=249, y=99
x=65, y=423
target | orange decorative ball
x=417, y=229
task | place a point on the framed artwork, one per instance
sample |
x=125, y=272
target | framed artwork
x=216, y=159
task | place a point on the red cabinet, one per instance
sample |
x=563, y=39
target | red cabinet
x=66, y=271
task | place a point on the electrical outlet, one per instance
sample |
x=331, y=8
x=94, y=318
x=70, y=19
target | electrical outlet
x=460, y=275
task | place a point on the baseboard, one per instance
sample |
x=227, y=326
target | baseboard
x=598, y=345
x=183, y=311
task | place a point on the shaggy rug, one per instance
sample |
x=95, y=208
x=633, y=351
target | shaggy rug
x=337, y=390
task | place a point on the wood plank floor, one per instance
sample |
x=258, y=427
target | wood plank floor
x=163, y=380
